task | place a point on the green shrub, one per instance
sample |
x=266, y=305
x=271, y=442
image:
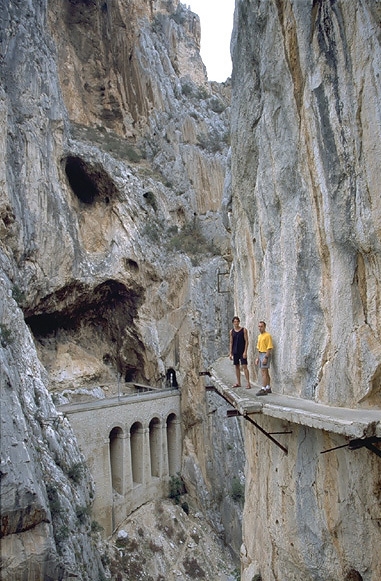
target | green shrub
x=96, y=527
x=82, y=512
x=193, y=569
x=62, y=534
x=54, y=501
x=217, y=105
x=18, y=294
x=75, y=472
x=191, y=241
x=202, y=92
x=151, y=230
x=176, y=488
x=186, y=89
x=237, y=490
x=5, y=335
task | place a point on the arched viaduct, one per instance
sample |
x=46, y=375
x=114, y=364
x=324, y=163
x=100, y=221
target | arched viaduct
x=132, y=445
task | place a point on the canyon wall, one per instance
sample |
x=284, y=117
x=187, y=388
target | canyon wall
x=112, y=251
x=306, y=216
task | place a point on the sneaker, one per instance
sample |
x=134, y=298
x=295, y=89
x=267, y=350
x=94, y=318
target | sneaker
x=264, y=391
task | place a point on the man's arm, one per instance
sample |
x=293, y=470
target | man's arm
x=246, y=336
x=230, y=344
x=268, y=350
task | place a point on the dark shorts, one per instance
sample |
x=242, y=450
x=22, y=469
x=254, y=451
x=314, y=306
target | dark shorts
x=237, y=359
x=261, y=364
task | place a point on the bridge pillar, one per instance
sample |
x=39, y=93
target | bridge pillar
x=174, y=446
x=146, y=457
x=128, y=480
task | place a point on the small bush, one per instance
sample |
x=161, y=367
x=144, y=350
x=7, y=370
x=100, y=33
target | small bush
x=237, y=490
x=154, y=547
x=132, y=154
x=5, y=335
x=96, y=527
x=191, y=241
x=151, y=231
x=202, y=92
x=193, y=569
x=54, y=501
x=75, y=472
x=187, y=89
x=176, y=488
x=18, y=294
x=82, y=512
x=62, y=534
x=217, y=105
x=178, y=17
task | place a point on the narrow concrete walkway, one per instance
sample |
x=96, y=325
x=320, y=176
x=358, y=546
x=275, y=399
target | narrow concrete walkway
x=353, y=423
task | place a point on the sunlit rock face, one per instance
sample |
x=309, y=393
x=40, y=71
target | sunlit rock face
x=113, y=154
x=306, y=214
x=306, y=204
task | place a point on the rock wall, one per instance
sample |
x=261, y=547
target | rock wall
x=306, y=206
x=305, y=214
x=113, y=155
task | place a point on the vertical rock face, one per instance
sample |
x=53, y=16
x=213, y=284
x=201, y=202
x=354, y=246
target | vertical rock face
x=306, y=219
x=113, y=154
x=306, y=205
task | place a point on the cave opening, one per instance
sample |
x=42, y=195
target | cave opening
x=89, y=183
x=87, y=336
x=80, y=181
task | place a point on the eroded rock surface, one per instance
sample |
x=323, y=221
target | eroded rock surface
x=114, y=149
x=306, y=229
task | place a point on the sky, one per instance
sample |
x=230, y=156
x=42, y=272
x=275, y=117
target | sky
x=216, y=18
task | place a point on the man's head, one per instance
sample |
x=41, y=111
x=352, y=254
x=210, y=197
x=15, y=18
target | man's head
x=236, y=321
x=262, y=326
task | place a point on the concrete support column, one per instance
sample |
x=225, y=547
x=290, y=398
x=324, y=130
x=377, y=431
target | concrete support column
x=164, y=452
x=146, y=457
x=155, y=442
x=128, y=482
x=174, y=446
x=101, y=470
x=178, y=440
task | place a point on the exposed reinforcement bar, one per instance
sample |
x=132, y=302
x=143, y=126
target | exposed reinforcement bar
x=235, y=412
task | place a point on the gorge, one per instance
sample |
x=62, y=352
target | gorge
x=141, y=207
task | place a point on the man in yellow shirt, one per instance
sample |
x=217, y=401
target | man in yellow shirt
x=265, y=347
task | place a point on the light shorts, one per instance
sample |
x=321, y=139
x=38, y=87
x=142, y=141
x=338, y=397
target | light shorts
x=261, y=364
x=237, y=359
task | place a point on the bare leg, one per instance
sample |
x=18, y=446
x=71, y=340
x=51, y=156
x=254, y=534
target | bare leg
x=246, y=372
x=238, y=375
x=265, y=377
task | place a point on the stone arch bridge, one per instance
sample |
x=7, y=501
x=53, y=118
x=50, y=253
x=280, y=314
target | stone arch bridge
x=132, y=445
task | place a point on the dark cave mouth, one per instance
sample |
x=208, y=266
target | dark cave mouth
x=99, y=321
x=89, y=183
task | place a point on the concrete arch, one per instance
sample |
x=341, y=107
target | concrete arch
x=125, y=444
x=137, y=452
x=116, y=454
x=155, y=446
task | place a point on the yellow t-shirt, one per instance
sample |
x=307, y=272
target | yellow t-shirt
x=264, y=342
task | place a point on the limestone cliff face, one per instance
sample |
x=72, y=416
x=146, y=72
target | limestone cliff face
x=306, y=203
x=113, y=157
x=306, y=218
